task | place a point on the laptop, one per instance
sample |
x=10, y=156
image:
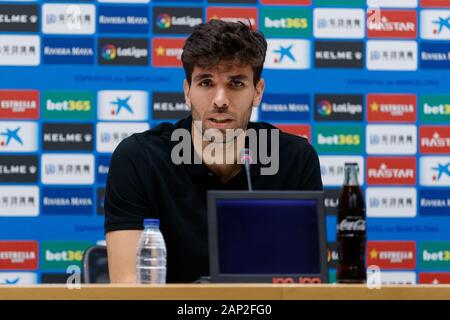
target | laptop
x=267, y=237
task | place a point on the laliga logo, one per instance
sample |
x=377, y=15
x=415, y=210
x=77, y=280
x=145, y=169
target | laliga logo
x=109, y=52
x=324, y=108
x=11, y=135
x=163, y=21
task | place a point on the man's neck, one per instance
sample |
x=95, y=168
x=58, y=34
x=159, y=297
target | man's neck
x=224, y=161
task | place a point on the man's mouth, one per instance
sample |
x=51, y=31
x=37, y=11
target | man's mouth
x=218, y=120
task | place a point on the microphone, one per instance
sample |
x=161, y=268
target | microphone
x=247, y=160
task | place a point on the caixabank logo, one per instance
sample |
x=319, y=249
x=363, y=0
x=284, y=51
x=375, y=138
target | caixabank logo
x=59, y=255
x=434, y=255
x=391, y=108
x=123, y=19
x=389, y=255
x=67, y=136
x=68, y=51
x=169, y=105
x=333, y=54
x=391, y=139
x=338, y=107
x=435, y=24
x=434, y=139
x=123, y=51
x=288, y=54
x=286, y=22
x=435, y=108
x=339, y=23
x=122, y=105
x=332, y=169
x=301, y=130
x=19, y=18
x=391, y=171
x=347, y=139
x=68, y=105
x=68, y=18
x=285, y=108
x=398, y=24
x=67, y=169
x=18, y=136
x=434, y=202
x=392, y=3
x=167, y=52
x=67, y=201
x=19, y=255
x=20, y=50
x=435, y=171
x=245, y=15
x=435, y=55
x=176, y=20
x=396, y=202
x=19, y=201
x=109, y=134
x=392, y=55
x=19, y=104
x=19, y=169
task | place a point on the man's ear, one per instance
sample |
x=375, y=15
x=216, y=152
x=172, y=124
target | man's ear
x=186, y=88
x=259, y=91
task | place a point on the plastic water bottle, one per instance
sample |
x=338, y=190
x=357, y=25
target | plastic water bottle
x=151, y=255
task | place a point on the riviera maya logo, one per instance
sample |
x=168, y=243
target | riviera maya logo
x=163, y=21
x=109, y=52
x=10, y=135
x=324, y=108
x=441, y=24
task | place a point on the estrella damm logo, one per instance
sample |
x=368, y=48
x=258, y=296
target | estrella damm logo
x=294, y=22
x=56, y=255
x=434, y=255
x=434, y=108
x=339, y=139
x=66, y=105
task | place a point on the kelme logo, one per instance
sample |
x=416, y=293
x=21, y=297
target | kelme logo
x=66, y=105
x=60, y=255
x=294, y=22
x=434, y=109
x=434, y=255
x=339, y=139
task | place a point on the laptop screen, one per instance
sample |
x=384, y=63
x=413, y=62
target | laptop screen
x=268, y=236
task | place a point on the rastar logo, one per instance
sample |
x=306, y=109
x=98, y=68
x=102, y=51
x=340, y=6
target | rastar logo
x=167, y=52
x=248, y=16
x=18, y=255
x=391, y=171
x=392, y=255
x=392, y=24
x=391, y=107
x=295, y=129
x=434, y=140
x=434, y=255
x=434, y=278
x=435, y=3
x=19, y=104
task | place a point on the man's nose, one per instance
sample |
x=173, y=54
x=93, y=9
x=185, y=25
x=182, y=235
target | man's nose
x=221, y=99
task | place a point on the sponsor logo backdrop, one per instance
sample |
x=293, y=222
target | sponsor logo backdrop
x=363, y=81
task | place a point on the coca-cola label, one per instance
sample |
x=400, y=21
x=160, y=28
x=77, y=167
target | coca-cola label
x=351, y=224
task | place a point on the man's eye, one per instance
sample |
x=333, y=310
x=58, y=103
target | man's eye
x=205, y=83
x=237, y=84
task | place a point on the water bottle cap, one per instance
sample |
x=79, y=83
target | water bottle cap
x=151, y=223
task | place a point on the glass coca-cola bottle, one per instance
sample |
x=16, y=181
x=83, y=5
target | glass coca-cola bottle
x=351, y=229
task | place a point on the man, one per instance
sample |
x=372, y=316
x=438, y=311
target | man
x=223, y=64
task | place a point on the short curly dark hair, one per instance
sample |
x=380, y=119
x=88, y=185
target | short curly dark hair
x=217, y=40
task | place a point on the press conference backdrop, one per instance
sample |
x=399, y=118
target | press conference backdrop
x=370, y=86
